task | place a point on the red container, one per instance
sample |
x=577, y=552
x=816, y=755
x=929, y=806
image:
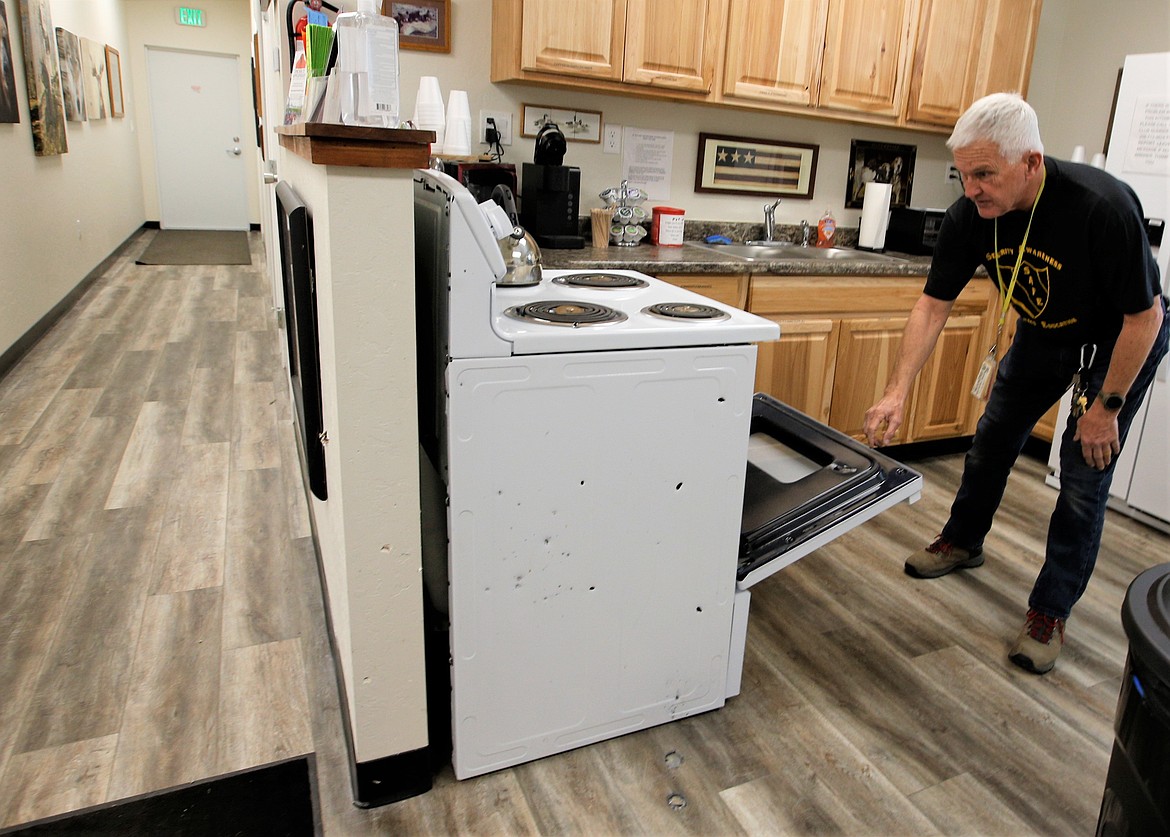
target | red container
x=666, y=226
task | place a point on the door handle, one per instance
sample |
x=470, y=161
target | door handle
x=234, y=151
x=270, y=178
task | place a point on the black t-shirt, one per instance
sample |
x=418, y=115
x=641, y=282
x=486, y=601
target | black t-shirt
x=1087, y=261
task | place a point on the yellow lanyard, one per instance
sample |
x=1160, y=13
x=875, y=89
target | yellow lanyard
x=1007, y=299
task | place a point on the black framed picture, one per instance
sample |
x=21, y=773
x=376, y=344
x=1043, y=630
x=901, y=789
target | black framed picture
x=884, y=162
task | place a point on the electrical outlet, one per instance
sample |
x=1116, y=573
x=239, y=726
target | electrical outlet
x=503, y=125
x=952, y=173
x=612, y=143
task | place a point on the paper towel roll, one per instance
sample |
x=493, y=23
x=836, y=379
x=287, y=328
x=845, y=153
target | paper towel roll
x=875, y=216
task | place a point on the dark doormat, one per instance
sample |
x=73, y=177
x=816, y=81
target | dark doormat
x=277, y=799
x=197, y=247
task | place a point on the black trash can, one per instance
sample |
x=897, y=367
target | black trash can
x=1137, y=788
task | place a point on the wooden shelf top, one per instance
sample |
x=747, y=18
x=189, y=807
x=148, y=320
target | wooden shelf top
x=351, y=145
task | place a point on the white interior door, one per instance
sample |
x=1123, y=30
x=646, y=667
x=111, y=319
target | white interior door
x=198, y=140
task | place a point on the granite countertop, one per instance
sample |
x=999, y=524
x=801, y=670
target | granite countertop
x=690, y=258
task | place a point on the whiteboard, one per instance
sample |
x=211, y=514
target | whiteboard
x=1139, y=143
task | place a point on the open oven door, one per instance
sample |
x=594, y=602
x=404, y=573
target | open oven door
x=806, y=485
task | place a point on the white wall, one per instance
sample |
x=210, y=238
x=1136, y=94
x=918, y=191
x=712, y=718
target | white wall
x=1081, y=46
x=62, y=215
x=151, y=23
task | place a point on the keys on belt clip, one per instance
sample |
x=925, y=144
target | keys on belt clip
x=1080, y=385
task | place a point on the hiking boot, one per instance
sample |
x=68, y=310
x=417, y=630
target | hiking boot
x=941, y=557
x=1039, y=643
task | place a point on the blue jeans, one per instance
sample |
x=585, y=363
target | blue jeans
x=1032, y=376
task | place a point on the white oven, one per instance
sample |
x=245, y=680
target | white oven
x=606, y=489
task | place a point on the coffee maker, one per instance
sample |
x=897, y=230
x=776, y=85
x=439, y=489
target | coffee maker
x=550, y=194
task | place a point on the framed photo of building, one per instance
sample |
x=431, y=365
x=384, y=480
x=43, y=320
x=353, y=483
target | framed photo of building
x=746, y=166
x=884, y=162
x=422, y=24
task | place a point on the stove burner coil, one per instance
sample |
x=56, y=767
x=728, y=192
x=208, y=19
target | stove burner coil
x=566, y=313
x=686, y=311
x=601, y=280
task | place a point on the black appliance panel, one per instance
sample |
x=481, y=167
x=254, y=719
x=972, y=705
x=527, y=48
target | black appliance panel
x=295, y=227
x=779, y=516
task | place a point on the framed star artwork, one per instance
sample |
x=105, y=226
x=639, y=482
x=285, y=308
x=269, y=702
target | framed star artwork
x=746, y=166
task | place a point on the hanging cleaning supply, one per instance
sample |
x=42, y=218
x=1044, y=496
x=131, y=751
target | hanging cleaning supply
x=367, y=66
x=827, y=230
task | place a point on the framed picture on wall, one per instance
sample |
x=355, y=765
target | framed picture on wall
x=577, y=125
x=43, y=72
x=93, y=65
x=9, y=108
x=114, y=81
x=422, y=24
x=72, y=89
x=746, y=166
x=884, y=162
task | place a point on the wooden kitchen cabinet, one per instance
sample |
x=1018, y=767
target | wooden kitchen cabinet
x=864, y=59
x=662, y=43
x=798, y=369
x=576, y=38
x=730, y=289
x=674, y=43
x=965, y=49
x=943, y=404
x=865, y=359
x=777, y=50
x=914, y=63
x=840, y=338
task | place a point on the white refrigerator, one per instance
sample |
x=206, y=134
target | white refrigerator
x=1138, y=154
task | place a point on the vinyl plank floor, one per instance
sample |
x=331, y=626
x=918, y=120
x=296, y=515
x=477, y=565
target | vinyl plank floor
x=192, y=544
x=264, y=704
x=173, y=696
x=256, y=569
x=56, y=780
x=86, y=672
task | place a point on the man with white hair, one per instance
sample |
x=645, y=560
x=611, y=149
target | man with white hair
x=1066, y=245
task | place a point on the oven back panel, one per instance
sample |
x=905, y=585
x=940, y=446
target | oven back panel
x=595, y=503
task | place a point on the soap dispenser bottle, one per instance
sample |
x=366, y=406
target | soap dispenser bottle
x=826, y=230
x=367, y=65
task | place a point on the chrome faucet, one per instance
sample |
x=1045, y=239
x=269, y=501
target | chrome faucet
x=770, y=220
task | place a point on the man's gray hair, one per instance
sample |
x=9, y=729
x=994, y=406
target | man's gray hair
x=1002, y=118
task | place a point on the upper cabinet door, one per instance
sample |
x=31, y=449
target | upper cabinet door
x=674, y=43
x=944, y=60
x=864, y=61
x=1005, y=50
x=774, y=50
x=574, y=37
x=966, y=49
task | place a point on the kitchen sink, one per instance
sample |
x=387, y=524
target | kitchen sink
x=757, y=251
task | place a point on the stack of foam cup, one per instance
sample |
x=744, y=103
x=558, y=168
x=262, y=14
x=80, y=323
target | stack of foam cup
x=428, y=110
x=458, y=138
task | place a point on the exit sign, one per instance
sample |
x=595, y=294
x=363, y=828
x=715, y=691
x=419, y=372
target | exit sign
x=190, y=17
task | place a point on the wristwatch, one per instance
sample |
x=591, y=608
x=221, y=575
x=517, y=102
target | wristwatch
x=1112, y=401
